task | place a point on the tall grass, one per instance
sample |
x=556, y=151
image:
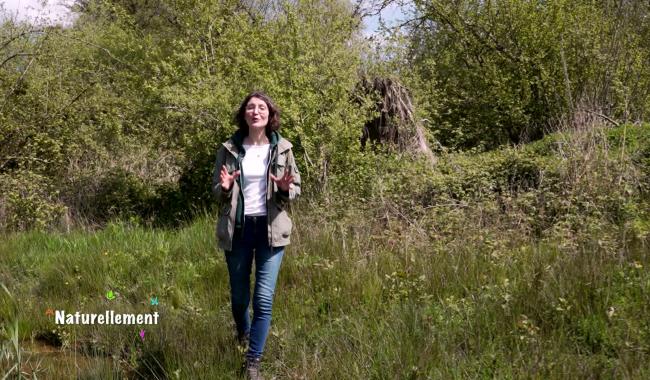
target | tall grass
x=544, y=277
x=10, y=351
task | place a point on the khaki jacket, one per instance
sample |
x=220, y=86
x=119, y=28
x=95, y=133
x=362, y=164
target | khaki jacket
x=277, y=202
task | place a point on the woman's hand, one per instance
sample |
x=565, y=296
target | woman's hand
x=284, y=182
x=227, y=179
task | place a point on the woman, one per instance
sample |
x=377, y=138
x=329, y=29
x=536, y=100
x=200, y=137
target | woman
x=255, y=178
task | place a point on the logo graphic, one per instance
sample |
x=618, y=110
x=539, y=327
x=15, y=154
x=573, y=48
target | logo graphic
x=110, y=296
x=142, y=335
x=154, y=301
x=49, y=312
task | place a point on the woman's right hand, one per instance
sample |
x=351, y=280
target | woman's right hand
x=227, y=179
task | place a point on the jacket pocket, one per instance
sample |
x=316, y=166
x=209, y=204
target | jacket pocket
x=283, y=225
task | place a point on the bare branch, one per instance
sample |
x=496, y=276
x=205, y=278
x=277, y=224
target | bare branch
x=614, y=122
x=22, y=75
x=14, y=56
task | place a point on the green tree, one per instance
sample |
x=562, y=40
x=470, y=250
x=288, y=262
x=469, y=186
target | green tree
x=505, y=70
x=128, y=106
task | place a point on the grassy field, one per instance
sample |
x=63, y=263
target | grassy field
x=488, y=287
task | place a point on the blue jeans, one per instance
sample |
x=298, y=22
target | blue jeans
x=252, y=244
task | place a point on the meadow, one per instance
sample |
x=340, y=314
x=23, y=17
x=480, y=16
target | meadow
x=525, y=262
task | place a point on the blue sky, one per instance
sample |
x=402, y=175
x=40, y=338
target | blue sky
x=392, y=15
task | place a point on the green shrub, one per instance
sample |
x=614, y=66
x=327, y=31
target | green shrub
x=29, y=201
x=118, y=193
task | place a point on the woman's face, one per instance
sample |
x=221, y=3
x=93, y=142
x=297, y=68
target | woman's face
x=257, y=113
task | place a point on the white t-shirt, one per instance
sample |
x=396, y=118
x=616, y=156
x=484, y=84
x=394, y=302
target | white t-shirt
x=254, y=168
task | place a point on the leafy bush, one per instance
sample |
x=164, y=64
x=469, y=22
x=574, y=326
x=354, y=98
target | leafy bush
x=117, y=193
x=502, y=72
x=29, y=201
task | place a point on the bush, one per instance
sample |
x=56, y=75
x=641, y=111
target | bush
x=118, y=193
x=29, y=201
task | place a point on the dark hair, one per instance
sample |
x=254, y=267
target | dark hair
x=274, y=113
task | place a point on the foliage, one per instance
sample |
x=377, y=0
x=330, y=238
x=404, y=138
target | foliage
x=133, y=80
x=504, y=71
x=121, y=114
x=520, y=261
x=29, y=201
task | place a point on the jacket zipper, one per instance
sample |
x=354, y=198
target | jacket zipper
x=272, y=163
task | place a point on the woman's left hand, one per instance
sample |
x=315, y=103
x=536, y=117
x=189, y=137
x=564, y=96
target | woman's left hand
x=284, y=182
